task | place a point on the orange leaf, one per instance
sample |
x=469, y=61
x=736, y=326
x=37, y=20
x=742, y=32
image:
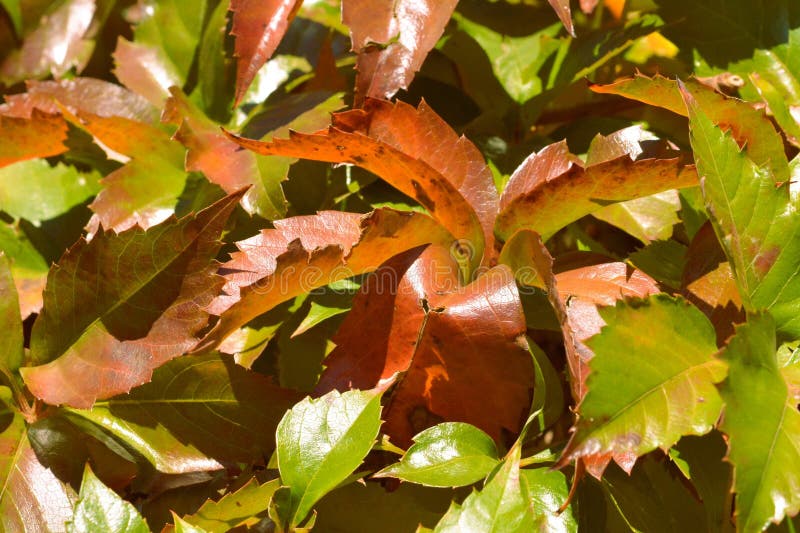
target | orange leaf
x=42, y=135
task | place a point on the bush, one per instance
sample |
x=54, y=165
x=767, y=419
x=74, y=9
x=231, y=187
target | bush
x=397, y=266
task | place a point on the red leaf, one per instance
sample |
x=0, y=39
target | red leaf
x=392, y=38
x=143, y=69
x=123, y=304
x=304, y=253
x=258, y=25
x=42, y=135
x=460, y=351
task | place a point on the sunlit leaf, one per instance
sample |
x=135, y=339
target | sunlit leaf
x=100, y=509
x=763, y=428
x=122, y=297
x=242, y=507
x=321, y=442
x=633, y=406
x=450, y=454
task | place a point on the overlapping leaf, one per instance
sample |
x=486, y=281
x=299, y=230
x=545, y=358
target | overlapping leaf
x=11, y=343
x=175, y=421
x=41, y=135
x=391, y=39
x=449, y=177
x=123, y=304
x=224, y=163
x=304, y=253
x=652, y=379
x=763, y=428
x=551, y=188
x=747, y=124
x=754, y=218
x=242, y=507
x=460, y=349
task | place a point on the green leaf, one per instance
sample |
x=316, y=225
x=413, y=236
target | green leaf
x=754, y=219
x=548, y=394
x=243, y=507
x=182, y=526
x=35, y=191
x=649, y=218
x=651, y=381
x=322, y=441
x=11, y=338
x=14, y=11
x=502, y=506
x=548, y=490
x=101, y=509
x=176, y=420
x=317, y=314
x=763, y=427
x=664, y=261
x=451, y=454
x=121, y=297
x=517, y=61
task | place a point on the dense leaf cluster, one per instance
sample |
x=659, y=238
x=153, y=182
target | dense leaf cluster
x=397, y=265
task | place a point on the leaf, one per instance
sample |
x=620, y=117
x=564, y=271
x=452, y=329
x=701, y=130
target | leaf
x=28, y=267
x=519, y=63
x=174, y=420
x=145, y=70
x=215, y=70
x=57, y=45
x=451, y=454
x=664, y=261
x=753, y=217
x=449, y=178
x=778, y=107
x=649, y=218
x=502, y=506
x=322, y=441
x=184, y=527
x=561, y=7
x=36, y=191
x=80, y=94
x=272, y=268
x=551, y=189
x=32, y=498
x=143, y=192
x=317, y=314
x=392, y=38
x=133, y=296
x=763, y=427
x=235, y=508
x=708, y=283
x=748, y=125
x=548, y=491
x=224, y=163
x=41, y=135
x=14, y=12
x=460, y=350
x=258, y=27
x=11, y=342
x=632, y=406
x=100, y=509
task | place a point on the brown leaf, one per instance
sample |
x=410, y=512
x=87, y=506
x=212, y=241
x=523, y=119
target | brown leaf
x=460, y=351
x=258, y=25
x=551, y=189
x=41, y=135
x=304, y=253
x=561, y=7
x=708, y=282
x=392, y=38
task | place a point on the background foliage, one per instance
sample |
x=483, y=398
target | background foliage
x=399, y=265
